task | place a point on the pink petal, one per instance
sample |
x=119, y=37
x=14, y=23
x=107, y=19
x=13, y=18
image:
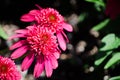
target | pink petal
x=17, y=36
x=27, y=61
x=56, y=55
x=34, y=12
x=30, y=27
x=38, y=6
x=17, y=44
x=61, y=41
x=67, y=27
x=11, y=77
x=21, y=31
x=27, y=18
x=48, y=67
x=67, y=40
x=19, y=52
x=53, y=61
x=39, y=67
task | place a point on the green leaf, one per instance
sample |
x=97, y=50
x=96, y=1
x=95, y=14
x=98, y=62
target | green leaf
x=115, y=58
x=101, y=25
x=115, y=78
x=102, y=57
x=82, y=16
x=110, y=42
x=2, y=33
x=98, y=2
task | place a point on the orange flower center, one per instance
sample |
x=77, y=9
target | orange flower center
x=3, y=68
x=52, y=17
x=44, y=38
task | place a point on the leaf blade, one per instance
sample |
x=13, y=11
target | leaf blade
x=115, y=78
x=101, y=25
x=115, y=58
x=3, y=34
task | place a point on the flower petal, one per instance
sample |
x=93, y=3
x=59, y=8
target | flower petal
x=39, y=67
x=34, y=12
x=27, y=61
x=38, y=6
x=61, y=41
x=67, y=40
x=17, y=36
x=53, y=61
x=27, y=18
x=67, y=27
x=19, y=52
x=21, y=31
x=57, y=54
x=18, y=44
x=48, y=67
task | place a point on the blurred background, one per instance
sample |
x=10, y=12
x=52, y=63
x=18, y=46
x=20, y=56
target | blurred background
x=78, y=61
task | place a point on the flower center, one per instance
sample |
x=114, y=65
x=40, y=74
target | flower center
x=3, y=68
x=52, y=17
x=45, y=37
x=38, y=41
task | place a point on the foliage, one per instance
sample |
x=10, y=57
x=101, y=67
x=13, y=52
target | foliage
x=101, y=25
x=98, y=4
x=2, y=33
x=111, y=42
x=115, y=78
x=109, y=50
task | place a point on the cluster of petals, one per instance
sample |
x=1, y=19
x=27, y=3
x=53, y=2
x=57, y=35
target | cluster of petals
x=8, y=70
x=41, y=45
x=112, y=8
x=51, y=19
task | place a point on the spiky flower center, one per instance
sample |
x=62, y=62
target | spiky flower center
x=52, y=17
x=4, y=68
x=44, y=38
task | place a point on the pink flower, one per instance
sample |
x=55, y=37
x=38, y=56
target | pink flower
x=112, y=8
x=41, y=44
x=8, y=70
x=51, y=19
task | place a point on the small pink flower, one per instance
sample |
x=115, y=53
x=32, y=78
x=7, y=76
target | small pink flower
x=8, y=70
x=112, y=8
x=51, y=19
x=41, y=44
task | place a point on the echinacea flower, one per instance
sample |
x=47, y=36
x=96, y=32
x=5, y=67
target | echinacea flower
x=8, y=70
x=41, y=44
x=51, y=19
x=112, y=8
